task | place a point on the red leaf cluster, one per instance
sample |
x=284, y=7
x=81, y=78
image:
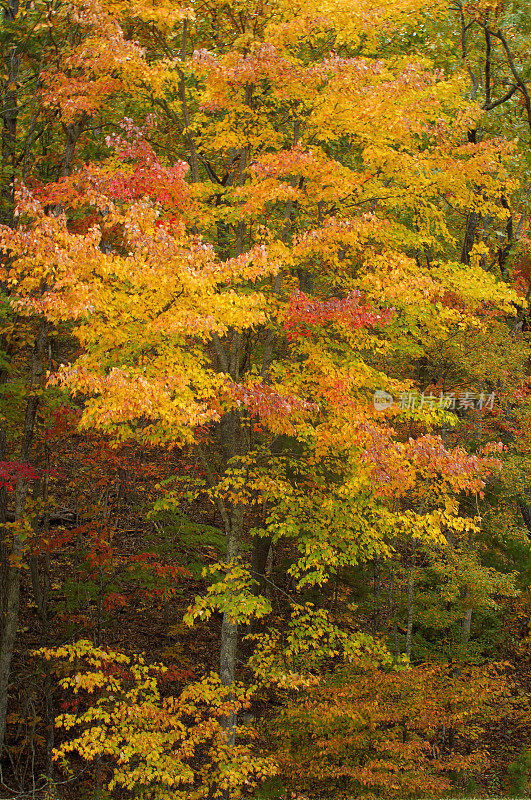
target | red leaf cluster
x=12, y=471
x=304, y=311
x=266, y=402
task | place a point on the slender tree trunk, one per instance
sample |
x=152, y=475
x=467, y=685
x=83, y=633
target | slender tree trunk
x=229, y=628
x=269, y=340
x=40, y=579
x=235, y=445
x=377, y=586
x=411, y=599
x=391, y=600
x=229, y=633
x=259, y=558
x=467, y=624
x=12, y=585
x=192, y=152
x=9, y=119
x=10, y=622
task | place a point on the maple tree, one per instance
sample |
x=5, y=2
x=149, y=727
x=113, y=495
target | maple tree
x=292, y=209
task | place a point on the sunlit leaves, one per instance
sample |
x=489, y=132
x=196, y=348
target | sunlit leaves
x=155, y=743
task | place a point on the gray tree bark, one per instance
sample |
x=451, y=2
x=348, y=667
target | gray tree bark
x=9, y=119
x=11, y=600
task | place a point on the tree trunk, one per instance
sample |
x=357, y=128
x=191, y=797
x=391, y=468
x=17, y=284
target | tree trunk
x=9, y=119
x=410, y=599
x=259, y=556
x=377, y=587
x=467, y=624
x=72, y=133
x=229, y=628
x=11, y=602
x=472, y=224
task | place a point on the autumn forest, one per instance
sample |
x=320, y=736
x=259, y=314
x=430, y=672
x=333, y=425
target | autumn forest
x=265, y=399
